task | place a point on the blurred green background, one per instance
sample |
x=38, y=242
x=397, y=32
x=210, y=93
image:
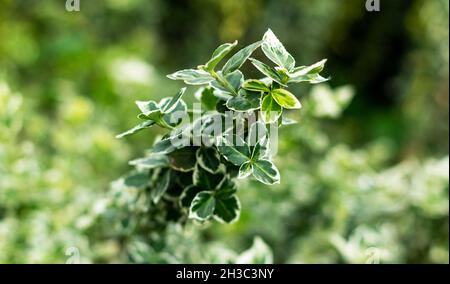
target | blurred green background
x=363, y=181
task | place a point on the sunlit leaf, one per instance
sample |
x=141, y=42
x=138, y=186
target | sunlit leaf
x=275, y=51
x=236, y=61
x=270, y=109
x=268, y=71
x=265, y=172
x=218, y=55
x=255, y=85
x=285, y=99
x=192, y=76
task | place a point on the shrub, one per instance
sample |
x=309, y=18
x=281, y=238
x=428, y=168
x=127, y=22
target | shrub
x=191, y=171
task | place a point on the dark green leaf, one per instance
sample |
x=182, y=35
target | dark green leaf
x=203, y=205
x=183, y=159
x=227, y=209
x=209, y=159
x=235, y=150
x=188, y=195
x=206, y=180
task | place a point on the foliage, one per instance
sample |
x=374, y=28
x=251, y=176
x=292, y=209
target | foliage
x=363, y=179
x=200, y=178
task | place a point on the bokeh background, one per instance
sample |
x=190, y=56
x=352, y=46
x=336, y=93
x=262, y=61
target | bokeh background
x=364, y=173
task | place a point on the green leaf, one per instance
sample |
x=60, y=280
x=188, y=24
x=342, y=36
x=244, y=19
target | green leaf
x=203, y=206
x=151, y=162
x=230, y=83
x=160, y=187
x=270, y=109
x=268, y=71
x=172, y=103
x=317, y=79
x=170, y=143
x=256, y=86
x=235, y=62
x=143, y=125
x=207, y=98
x=206, y=180
x=308, y=74
x=147, y=107
x=275, y=51
x=245, y=101
x=245, y=170
x=208, y=159
x=150, y=110
x=266, y=172
x=308, y=70
x=218, y=55
x=285, y=99
x=163, y=146
x=258, y=151
x=138, y=180
x=183, y=159
x=192, y=76
x=188, y=195
x=226, y=188
x=227, y=209
x=178, y=112
x=235, y=150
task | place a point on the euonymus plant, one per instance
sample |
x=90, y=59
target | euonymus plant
x=191, y=171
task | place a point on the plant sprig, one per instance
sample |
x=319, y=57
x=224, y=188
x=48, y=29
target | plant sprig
x=198, y=182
